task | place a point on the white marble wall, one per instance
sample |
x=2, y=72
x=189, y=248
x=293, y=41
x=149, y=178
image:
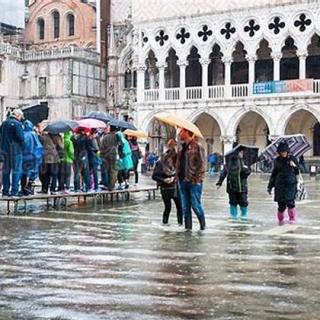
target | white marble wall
x=159, y=9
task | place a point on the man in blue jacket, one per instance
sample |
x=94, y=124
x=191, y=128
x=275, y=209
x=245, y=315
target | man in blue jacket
x=12, y=141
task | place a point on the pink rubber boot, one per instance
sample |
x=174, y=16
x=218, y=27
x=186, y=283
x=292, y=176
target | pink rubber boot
x=292, y=215
x=280, y=218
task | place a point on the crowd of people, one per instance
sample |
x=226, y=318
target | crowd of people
x=180, y=175
x=95, y=159
x=29, y=152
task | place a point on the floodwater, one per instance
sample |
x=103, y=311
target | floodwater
x=120, y=263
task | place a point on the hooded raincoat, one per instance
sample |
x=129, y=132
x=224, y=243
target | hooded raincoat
x=32, y=152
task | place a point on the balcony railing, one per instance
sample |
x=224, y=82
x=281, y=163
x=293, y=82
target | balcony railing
x=216, y=92
x=272, y=88
x=240, y=90
x=172, y=94
x=68, y=52
x=194, y=93
x=151, y=95
x=316, y=86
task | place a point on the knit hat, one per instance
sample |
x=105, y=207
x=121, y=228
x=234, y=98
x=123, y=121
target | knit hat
x=283, y=147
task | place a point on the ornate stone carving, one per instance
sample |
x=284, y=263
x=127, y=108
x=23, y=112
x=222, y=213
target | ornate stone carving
x=251, y=28
x=228, y=30
x=276, y=25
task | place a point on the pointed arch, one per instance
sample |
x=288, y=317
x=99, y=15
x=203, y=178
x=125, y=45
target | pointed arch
x=238, y=116
x=172, y=70
x=264, y=62
x=216, y=70
x=211, y=132
x=252, y=128
x=239, y=66
x=194, y=68
x=302, y=121
x=313, y=58
x=287, y=114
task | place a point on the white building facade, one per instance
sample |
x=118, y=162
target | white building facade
x=246, y=72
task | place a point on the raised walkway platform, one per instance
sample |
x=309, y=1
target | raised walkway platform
x=60, y=200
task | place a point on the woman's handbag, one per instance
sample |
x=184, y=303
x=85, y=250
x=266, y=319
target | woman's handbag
x=301, y=190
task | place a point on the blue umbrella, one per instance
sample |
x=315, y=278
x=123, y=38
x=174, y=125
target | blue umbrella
x=61, y=126
x=99, y=115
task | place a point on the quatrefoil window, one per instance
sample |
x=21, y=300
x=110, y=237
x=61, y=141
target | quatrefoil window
x=303, y=22
x=252, y=28
x=162, y=37
x=205, y=33
x=183, y=35
x=276, y=25
x=228, y=30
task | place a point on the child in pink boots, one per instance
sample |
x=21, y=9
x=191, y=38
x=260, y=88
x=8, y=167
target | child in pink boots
x=284, y=180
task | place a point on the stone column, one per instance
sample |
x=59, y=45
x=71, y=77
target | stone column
x=227, y=75
x=227, y=143
x=182, y=65
x=302, y=64
x=205, y=63
x=276, y=65
x=140, y=83
x=252, y=63
x=161, y=68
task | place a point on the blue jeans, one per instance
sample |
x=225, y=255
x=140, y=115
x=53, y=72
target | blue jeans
x=81, y=169
x=190, y=194
x=94, y=174
x=12, y=165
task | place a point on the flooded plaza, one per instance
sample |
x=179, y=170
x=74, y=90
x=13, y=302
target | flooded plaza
x=120, y=263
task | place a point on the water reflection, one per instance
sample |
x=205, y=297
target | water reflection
x=122, y=264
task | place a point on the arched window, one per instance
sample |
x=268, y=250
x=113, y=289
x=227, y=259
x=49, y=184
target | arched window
x=70, y=20
x=40, y=26
x=56, y=24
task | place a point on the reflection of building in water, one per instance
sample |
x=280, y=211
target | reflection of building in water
x=241, y=74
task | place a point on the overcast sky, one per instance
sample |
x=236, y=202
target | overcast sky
x=12, y=12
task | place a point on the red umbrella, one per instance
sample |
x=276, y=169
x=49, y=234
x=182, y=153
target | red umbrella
x=91, y=123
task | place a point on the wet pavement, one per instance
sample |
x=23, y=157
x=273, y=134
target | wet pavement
x=120, y=263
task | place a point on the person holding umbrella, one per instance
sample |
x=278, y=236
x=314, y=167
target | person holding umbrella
x=284, y=180
x=191, y=162
x=237, y=174
x=165, y=175
x=191, y=167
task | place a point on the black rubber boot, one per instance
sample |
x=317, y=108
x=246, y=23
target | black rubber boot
x=202, y=222
x=165, y=218
x=188, y=223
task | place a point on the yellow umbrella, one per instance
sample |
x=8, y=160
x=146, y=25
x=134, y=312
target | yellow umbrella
x=135, y=133
x=175, y=121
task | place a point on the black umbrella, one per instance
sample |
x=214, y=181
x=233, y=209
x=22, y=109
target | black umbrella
x=122, y=124
x=250, y=154
x=99, y=115
x=36, y=113
x=61, y=126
